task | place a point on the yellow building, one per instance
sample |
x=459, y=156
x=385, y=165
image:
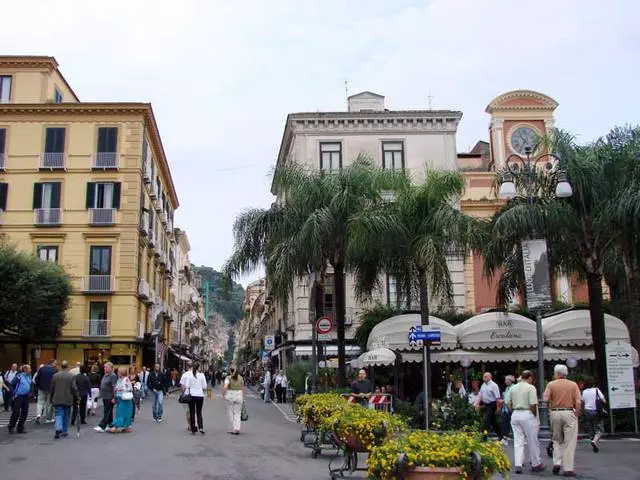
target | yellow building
x=87, y=185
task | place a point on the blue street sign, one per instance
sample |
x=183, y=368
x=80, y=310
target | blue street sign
x=416, y=334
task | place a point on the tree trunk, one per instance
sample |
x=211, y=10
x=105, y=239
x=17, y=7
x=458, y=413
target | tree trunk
x=596, y=311
x=633, y=318
x=339, y=285
x=426, y=354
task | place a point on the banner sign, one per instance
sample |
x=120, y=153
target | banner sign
x=622, y=393
x=536, y=274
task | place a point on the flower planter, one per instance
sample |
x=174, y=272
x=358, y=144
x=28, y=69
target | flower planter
x=436, y=473
x=351, y=442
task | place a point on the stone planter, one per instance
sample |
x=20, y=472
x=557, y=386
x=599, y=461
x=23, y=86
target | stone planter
x=436, y=473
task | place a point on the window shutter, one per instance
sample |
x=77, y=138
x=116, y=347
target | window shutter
x=145, y=148
x=55, y=195
x=116, y=195
x=4, y=187
x=3, y=133
x=91, y=195
x=113, y=140
x=37, y=195
x=54, y=141
x=101, y=140
x=151, y=218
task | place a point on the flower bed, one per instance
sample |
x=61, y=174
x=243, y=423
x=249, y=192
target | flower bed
x=311, y=409
x=436, y=451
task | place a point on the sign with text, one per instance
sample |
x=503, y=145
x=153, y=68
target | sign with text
x=420, y=334
x=536, y=274
x=269, y=342
x=620, y=375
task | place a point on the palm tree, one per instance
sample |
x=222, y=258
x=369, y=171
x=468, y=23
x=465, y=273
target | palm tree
x=307, y=230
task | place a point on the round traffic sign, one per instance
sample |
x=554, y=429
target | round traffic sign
x=324, y=325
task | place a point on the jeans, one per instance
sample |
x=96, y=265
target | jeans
x=107, y=414
x=594, y=425
x=62, y=417
x=267, y=394
x=158, y=400
x=195, y=410
x=6, y=396
x=44, y=405
x=489, y=419
x=19, y=412
x=143, y=390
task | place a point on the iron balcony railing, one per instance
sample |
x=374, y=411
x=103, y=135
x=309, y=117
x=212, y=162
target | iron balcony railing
x=98, y=283
x=52, y=160
x=102, y=216
x=96, y=328
x=105, y=160
x=47, y=216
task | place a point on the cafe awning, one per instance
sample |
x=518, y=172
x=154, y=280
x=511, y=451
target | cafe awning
x=330, y=350
x=393, y=333
x=377, y=356
x=502, y=355
x=495, y=330
x=573, y=327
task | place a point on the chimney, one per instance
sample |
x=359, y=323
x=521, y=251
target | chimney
x=366, y=102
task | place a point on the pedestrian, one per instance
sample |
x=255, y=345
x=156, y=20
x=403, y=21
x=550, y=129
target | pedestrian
x=20, y=387
x=232, y=393
x=144, y=376
x=194, y=384
x=42, y=383
x=3, y=388
x=281, y=386
x=505, y=413
x=83, y=385
x=75, y=370
x=488, y=400
x=563, y=397
x=157, y=384
x=64, y=395
x=94, y=378
x=135, y=382
x=522, y=401
x=594, y=404
x=9, y=375
x=123, y=403
x=107, y=393
x=266, y=384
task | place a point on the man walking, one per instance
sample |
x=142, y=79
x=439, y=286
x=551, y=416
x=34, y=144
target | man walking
x=43, y=384
x=20, y=391
x=564, y=400
x=488, y=399
x=522, y=401
x=83, y=385
x=9, y=376
x=64, y=394
x=108, y=394
x=144, y=376
x=266, y=384
x=157, y=383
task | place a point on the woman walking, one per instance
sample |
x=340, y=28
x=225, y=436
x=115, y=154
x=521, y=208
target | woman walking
x=232, y=393
x=194, y=384
x=135, y=383
x=124, y=403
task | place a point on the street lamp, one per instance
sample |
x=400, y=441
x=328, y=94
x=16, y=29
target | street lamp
x=466, y=363
x=527, y=169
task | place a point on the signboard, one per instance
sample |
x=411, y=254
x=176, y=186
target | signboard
x=324, y=328
x=269, y=342
x=420, y=334
x=536, y=274
x=620, y=375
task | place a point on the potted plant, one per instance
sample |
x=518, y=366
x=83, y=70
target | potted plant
x=476, y=379
x=429, y=455
x=311, y=409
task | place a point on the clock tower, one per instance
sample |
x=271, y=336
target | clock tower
x=518, y=118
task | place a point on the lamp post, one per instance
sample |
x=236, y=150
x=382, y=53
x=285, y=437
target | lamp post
x=527, y=168
x=466, y=363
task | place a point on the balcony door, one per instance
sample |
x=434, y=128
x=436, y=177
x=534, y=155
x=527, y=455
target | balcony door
x=46, y=202
x=98, y=323
x=54, y=148
x=100, y=269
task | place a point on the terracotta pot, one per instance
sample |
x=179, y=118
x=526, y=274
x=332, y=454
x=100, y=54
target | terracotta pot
x=436, y=473
x=353, y=443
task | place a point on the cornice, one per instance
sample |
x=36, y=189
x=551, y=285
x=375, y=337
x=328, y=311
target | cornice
x=497, y=104
x=36, y=61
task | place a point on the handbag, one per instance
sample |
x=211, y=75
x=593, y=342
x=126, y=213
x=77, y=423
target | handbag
x=601, y=409
x=244, y=415
x=126, y=395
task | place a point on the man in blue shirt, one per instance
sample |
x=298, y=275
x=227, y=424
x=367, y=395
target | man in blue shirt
x=20, y=391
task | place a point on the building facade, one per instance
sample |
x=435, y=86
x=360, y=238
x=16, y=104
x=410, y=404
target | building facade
x=88, y=186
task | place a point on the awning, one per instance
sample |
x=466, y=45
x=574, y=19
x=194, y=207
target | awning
x=480, y=356
x=305, y=350
x=574, y=328
x=377, y=356
x=393, y=333
x=497, y=330
x=181, y=357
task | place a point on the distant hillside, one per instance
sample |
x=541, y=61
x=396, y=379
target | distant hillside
x=230, y=308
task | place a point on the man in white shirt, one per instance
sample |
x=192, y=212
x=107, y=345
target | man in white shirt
x=488, y=400
x=594, y=402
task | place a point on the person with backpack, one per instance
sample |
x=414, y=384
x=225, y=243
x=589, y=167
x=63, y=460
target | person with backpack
x=594, y=410
x=20, y=392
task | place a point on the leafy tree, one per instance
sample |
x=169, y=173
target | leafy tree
x=229, y=303
x=34, y=297
x=369, y=318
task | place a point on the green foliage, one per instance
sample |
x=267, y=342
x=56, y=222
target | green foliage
x=369, y=318
x=409, y=412
x=296, y=374
x=228, y=304
x=34, y=296
x=454, y=414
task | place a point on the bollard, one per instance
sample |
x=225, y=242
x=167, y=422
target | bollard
x=209, y=392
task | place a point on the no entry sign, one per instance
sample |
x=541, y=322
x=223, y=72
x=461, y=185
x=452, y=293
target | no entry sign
x=324, y=325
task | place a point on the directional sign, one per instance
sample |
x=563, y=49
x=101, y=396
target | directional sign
x=420, y=334
x=620, y=375
x=324, y=327
x=269, y=342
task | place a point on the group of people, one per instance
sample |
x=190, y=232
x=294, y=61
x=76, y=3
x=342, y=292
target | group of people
x=274, y=384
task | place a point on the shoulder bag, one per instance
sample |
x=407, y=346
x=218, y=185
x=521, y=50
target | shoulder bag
x=185, y=397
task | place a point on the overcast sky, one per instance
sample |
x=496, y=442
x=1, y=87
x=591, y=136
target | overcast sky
x=223, y=74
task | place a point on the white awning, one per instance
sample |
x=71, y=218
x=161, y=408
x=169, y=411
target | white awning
x=497, y=330
x=480, y=356
x=377, y=356
x=330, y=350
x=393, y=333
x=574, y=328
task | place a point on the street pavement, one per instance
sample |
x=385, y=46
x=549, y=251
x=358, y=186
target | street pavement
x=268, y=448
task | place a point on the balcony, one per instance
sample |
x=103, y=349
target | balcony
x=102, y=216
x=53, y=161
x=144, y=291
x=146, y=172
x=47, y=216
x=105, y=160
x=163, y=218
x=98, y=284
x=1, y=160
x=169, y=227
x=144, y=224
x=152, y=239
x=152, y=192
x=157, y=203
x=96, y=328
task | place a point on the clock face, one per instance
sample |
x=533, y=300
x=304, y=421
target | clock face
x=524, y=137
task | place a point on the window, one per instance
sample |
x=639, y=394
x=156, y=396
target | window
x=107, y=140
x=100, y=261
x=395, y=296
x=3, y=136
x=393, y=155
x=330, y=156
x=5, y=89
x=57, y=95
x=98, y=310
x=145, y=151
x=48, y=253
x=103, y=195
x=327, y=293
x=46, y=195
x=98, y=323
x=54, y=140
x=4, y=189
x=159, y=187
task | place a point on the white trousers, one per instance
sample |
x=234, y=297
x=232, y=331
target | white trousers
x=525, y=434
x=234, y=408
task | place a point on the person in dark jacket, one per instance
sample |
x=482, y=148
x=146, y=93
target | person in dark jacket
x=64, y=394
x=157, y=385
x=43, y=385
x=83, y=385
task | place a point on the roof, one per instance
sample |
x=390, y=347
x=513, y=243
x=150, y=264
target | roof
x=35, y=61
x=143, y=109
x=366, y=92
x=521, y=100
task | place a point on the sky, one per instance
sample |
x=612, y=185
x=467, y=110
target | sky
x=223, y=74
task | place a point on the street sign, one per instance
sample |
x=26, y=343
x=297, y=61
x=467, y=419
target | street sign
x=420, y=334
x=269, y=342
x=324, y=328
x=620, y=375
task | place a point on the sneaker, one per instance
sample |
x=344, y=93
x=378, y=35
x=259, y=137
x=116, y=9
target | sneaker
x=595, y=447
x=155, y=419
x=64, y=434
x=518, y=470
x=57, y=435
x=538, y=468
x=99, y=429
x=556, y=470
x=159, y=420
